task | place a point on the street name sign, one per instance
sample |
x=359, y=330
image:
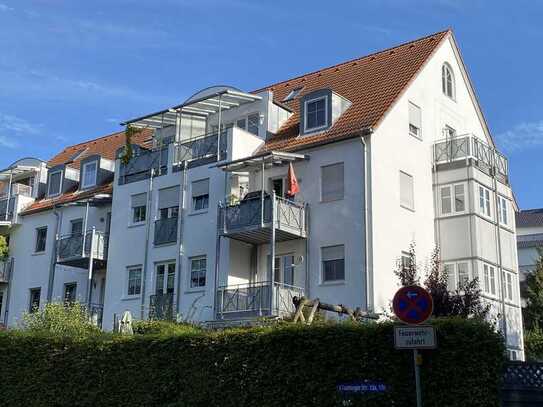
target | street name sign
x=414, y=337
x=413, y=304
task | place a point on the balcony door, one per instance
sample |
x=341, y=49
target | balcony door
x=165, y=278
x=76, y=227
x=284, y=269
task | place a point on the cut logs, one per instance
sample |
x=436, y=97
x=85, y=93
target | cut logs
x=315, y=305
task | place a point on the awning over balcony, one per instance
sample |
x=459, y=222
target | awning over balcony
x=204, y=103
x=268, y=159
x=19, y=167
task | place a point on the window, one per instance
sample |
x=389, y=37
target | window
x=139, y=208
x=509, y=286
x=332, y=182
x=283, y=269
x=200, y=195
x=168, y=203
x=165, y=278
x=70, y=290
x=457, y=274
x=41, y=239
x=277, y=186
x=502, y=210
x=415, y=120
x=406, y=262
x=489, y=277
x=484, y=201
x=89, y=174
x=134, y=281
x=407, y=194
x=316, y=114
x=447, y=81
x=34, y=303
x=55, y=179
x=253, y=120
x=293, y=94
x=453, y=199
x=76, y=227
x=198, y=267
x=333, y=263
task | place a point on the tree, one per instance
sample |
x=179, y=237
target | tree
x=465, y=301
x=4, y=249
x=406, y=268
x=533, y=293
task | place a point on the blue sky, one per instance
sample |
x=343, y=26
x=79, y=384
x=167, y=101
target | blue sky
x=72, y=70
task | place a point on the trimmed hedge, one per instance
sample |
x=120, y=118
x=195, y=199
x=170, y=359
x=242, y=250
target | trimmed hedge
x=279, y=366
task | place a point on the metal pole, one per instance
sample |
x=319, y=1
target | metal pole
x=91, y=264
x=218, y=307
x=262, y=194
x=272, y=251
x=9, y=194
x=85, y=224
x=219, y=132
x=417, y=377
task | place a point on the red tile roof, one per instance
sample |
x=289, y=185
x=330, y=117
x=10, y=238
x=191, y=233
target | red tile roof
x=372, y=83
x=106, y=147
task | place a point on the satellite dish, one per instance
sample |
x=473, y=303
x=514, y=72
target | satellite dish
x=298, y=260
x=125, y=325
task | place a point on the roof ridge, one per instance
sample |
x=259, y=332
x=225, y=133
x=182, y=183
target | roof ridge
x=448, y=30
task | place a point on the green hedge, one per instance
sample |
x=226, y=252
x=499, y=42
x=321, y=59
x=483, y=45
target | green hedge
x=280, y=366
x=533, y=345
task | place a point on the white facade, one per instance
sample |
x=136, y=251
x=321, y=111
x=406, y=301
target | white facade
x=194, y=251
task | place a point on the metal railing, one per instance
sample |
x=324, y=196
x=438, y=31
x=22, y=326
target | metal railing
x=165, y=231
x=161, y=306
x=254, y=299
x=249, y=213
x=16, y=189
x=200, y=148
x=7, y=207
x=140, y=165
x=5, y=269
x=468, y=146
x=81, y=245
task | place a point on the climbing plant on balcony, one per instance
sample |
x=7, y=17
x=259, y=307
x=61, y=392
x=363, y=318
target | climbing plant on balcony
x=4, y=249
x=129, y=132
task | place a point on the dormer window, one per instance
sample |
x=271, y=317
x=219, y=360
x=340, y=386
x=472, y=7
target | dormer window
x=90, y=170
x=55, y=180
x=316, y=116
x=447, y=81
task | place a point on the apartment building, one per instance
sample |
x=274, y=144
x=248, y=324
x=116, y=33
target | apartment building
x=529, y=224
x=387, y=149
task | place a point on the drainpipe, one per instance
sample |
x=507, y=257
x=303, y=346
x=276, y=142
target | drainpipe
x=368, y=220
x=147, y=231
x=181, y=224
x=53, y=262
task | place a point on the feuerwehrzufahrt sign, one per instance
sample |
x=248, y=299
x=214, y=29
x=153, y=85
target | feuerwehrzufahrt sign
x=414, y=337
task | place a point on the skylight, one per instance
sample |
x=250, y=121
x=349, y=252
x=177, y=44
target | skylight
x=293, y=94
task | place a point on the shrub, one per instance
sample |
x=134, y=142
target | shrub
x=533, y=344
x=64, y=320
x=158, y=327
x=285, y=365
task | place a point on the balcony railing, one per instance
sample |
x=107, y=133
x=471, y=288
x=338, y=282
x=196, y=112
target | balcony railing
x=253, y=217
x=16, y=189
x=140, y=165
x=7, y=207
x=470, y=147
x=5, y=269
x=253, y=300
x=201, y=149
x=165, y=231
x=161, y=307
x=82, y=246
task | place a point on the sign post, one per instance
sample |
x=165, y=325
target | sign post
x=413, y=305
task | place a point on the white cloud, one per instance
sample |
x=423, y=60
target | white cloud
x=4, y=7
x=7, y=142
x=13, y=128
x=522, y=136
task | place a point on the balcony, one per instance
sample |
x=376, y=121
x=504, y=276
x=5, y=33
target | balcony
x=16, y=189
x=472, y=150
x=77, y=250
x=142, y=163
x=253, y=300
x=5, y=268
x=161, y=307
x=165, y=231
x=7, y=206
x=201, y=150
x=252, y=219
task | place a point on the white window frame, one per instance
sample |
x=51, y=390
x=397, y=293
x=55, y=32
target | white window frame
x=509, y=286
x=49, y=194
x=324, y=281
x=36, y=239
x=325, y=125
x=192, y=197
x=452, y=199
x=166, y=265
x=417, y=135
x=503, y=213
x=338, y=198
x=83, y=176
x=486, y=208
x=245, y=119
x=198, y=287
x=128, y=279
x=133, y=208
x=489, y=279
x=446, y=67
x=405, y=206
x=455, y=277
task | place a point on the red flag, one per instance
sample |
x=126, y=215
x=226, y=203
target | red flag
x=293, y=187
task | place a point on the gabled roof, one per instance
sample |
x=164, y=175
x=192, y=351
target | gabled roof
x=529, y=218
x=371, y=83
x=105, y=146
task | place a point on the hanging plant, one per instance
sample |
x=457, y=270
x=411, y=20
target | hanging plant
x=128, y=151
